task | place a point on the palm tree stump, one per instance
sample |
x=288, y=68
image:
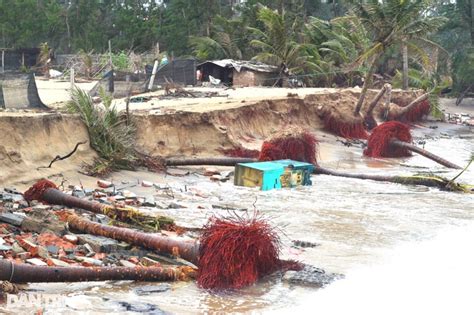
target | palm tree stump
x=393, y=139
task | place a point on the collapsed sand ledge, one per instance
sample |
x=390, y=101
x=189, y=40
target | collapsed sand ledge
x=248, y=124
x=31, y=140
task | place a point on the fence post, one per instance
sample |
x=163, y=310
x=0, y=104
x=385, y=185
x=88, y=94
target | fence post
x=72, y=79
x=153, y=73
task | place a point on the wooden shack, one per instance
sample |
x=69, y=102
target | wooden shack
x=239, y=73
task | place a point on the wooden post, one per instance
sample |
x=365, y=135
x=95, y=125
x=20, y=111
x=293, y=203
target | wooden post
x=110, y=54
x=111, y=78
x=72, y=79
x=153, y=73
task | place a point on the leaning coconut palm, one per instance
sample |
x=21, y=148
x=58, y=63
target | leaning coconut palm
x=340, y=41
x=277, y=44
x=387, y=23
x=415, y=110
x=391, y=22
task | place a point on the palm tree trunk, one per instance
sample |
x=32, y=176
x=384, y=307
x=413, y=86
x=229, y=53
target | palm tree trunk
x=405, y=65
x=164, y=244
x=126, y=215
x=227, y=161
x=24, y=273
x=365, y=87
x=414, y=103
x=424, y=153
x=377, y=98
x=424, y=180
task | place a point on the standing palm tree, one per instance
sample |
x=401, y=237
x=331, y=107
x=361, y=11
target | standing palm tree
x=277, y=43
x=391, y=22
x=226, y=40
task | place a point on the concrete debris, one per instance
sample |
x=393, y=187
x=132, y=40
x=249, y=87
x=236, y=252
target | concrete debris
x=33, y=233
x=460, y=119
x=310, y=276
x=149, y=289
x=98, y=244
x=36, y=262
x=304, y=244
x=11, y=218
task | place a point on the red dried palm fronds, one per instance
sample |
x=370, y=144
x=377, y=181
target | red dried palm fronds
x=36, y=191
x=417, y=112
x=412, y=112
x=231, y=253
x=348, y=128
x=379, y=145
x=235, y=253
x=295, y=144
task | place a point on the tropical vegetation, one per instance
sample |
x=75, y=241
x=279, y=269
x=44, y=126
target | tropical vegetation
x=325, y=42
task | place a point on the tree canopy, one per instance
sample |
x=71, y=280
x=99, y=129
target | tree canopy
x=318, y=39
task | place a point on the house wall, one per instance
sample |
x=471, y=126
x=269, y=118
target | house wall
x=251, y=78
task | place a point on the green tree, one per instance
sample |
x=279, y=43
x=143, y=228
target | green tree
x=277, y=43
x=336, y=44
x=228, y=40
x=391, y=22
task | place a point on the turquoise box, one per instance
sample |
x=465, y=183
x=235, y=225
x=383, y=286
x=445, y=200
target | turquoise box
x=274, y=174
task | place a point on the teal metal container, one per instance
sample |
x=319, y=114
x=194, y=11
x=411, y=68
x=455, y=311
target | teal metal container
x=303, y=168
x=273, y=175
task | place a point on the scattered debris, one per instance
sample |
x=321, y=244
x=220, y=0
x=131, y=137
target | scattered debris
x=310, y=276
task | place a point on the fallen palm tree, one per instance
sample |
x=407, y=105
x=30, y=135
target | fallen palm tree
x=223, y=161
x=340, y=118
x=429, y=180
x=46, y=191
x=413, y=112
x=393, y=139
x=347, y=125
x=231, y=253
x=369, y=119
x=294, y=144
x=24, y=273
x=379, y=145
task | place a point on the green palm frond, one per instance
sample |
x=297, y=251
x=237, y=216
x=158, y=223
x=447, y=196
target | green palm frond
x=207, y=48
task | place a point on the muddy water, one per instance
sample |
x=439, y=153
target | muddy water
x=375, y=233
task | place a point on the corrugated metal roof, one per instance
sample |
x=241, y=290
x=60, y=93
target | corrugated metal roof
x=243, y=64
